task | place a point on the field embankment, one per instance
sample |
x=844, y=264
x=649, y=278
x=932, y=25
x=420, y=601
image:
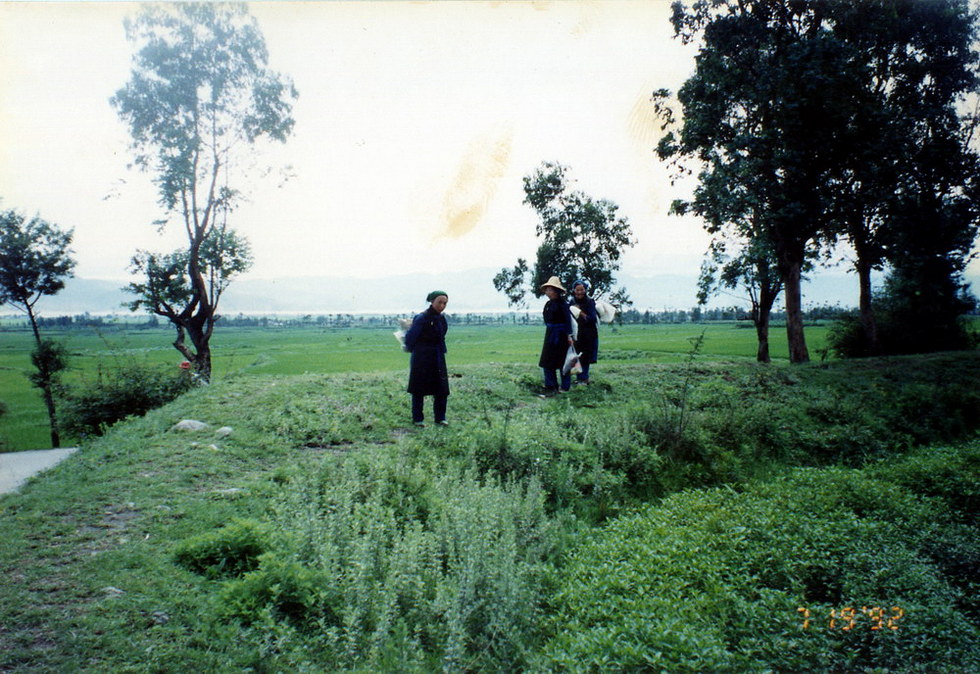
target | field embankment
x=310, y=349
x=700, y=516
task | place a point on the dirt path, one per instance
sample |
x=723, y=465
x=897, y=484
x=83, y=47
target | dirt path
x=17, y=467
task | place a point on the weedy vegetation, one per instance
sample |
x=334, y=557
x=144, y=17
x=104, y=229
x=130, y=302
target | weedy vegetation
x=700, y=515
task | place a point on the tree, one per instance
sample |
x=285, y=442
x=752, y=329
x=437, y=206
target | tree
x=910, y=184
x=752, y=268
x=925, y=296
x=35, y=260
x=165, y=286
x=806, y=114
x=582, y=238
x=201, y=96
x=763, y=117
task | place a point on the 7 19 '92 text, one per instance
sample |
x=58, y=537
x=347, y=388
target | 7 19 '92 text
x=846, y=619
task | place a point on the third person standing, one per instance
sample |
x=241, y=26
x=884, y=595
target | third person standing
x=583, y=308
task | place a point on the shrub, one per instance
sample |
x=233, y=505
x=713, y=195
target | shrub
x=50, y=359
x=89, y=408
x=442, y=568
x=900, y=334
x=279, y=589
x=846, y=338
x=592, y=463
x=952, y=476
x=232, y=550
x=716, y=580
x=949, y=473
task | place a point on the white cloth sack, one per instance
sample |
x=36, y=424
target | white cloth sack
x=606, y=311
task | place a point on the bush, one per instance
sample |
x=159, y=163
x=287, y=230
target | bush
x=899, y=335
x=278, y=589
x=593, y=464
x=438, y=567
x=50, y=359
x=949, y=473
x=743, y=582
x=951, y=476
x=229, y=551
x=89, y=408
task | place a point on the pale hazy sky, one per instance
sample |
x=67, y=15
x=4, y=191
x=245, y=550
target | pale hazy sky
x=415, y=124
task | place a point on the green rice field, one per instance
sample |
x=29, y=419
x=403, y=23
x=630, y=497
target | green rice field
x=299, y=350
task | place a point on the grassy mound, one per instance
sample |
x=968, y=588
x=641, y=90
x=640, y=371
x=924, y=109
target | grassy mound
x=821, y=570
x=326, y=533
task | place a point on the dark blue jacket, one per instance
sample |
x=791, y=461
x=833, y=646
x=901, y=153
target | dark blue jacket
x=587, y=343
x=426, y=339
x=557, y=329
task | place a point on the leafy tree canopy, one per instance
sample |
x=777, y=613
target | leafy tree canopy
x=164, y=287
x=200, y=90
x=815, y=120
x=581, y=238
x=35, y=259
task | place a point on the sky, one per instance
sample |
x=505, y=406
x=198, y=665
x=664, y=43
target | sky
x=415, y=124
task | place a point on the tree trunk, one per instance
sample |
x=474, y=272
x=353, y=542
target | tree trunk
x=760, y=316
x=201, y=338
x=794, y=313
x=203, y=364
x=762, y=332
x=52, y=417
x=46, y=392
x=868, y=323
x=201, y=360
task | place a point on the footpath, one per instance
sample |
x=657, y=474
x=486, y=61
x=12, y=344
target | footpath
x=17, y=467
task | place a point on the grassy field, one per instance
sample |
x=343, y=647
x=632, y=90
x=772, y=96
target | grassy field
x=704, y=516
x=289, y=351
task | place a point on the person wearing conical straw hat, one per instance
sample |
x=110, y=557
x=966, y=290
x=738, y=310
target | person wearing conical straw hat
x=559, y=329
x=426, y=340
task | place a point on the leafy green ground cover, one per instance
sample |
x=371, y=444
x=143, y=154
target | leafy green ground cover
x=669, y=517
x=300, y=350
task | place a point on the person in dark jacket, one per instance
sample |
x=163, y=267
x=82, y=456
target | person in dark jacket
x=426, y=340
x=558, y=332
x=587, y=341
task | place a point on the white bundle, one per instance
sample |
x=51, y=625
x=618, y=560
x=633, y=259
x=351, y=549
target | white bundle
x=606, y=311
x=404, y=325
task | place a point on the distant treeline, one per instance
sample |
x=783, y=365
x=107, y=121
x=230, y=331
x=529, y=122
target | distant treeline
x=628, y=317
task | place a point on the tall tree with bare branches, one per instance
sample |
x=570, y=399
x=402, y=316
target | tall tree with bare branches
x=200, y=98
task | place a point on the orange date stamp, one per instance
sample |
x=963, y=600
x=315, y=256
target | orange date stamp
x=849, y=618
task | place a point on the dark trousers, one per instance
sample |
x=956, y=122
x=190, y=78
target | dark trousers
x=584, y=374
x=551, y=380
x=438, y=407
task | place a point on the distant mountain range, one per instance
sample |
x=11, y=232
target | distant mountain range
x=469, y=291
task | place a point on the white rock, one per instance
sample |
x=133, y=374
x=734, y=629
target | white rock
x=189, y=425
x=224, y=431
